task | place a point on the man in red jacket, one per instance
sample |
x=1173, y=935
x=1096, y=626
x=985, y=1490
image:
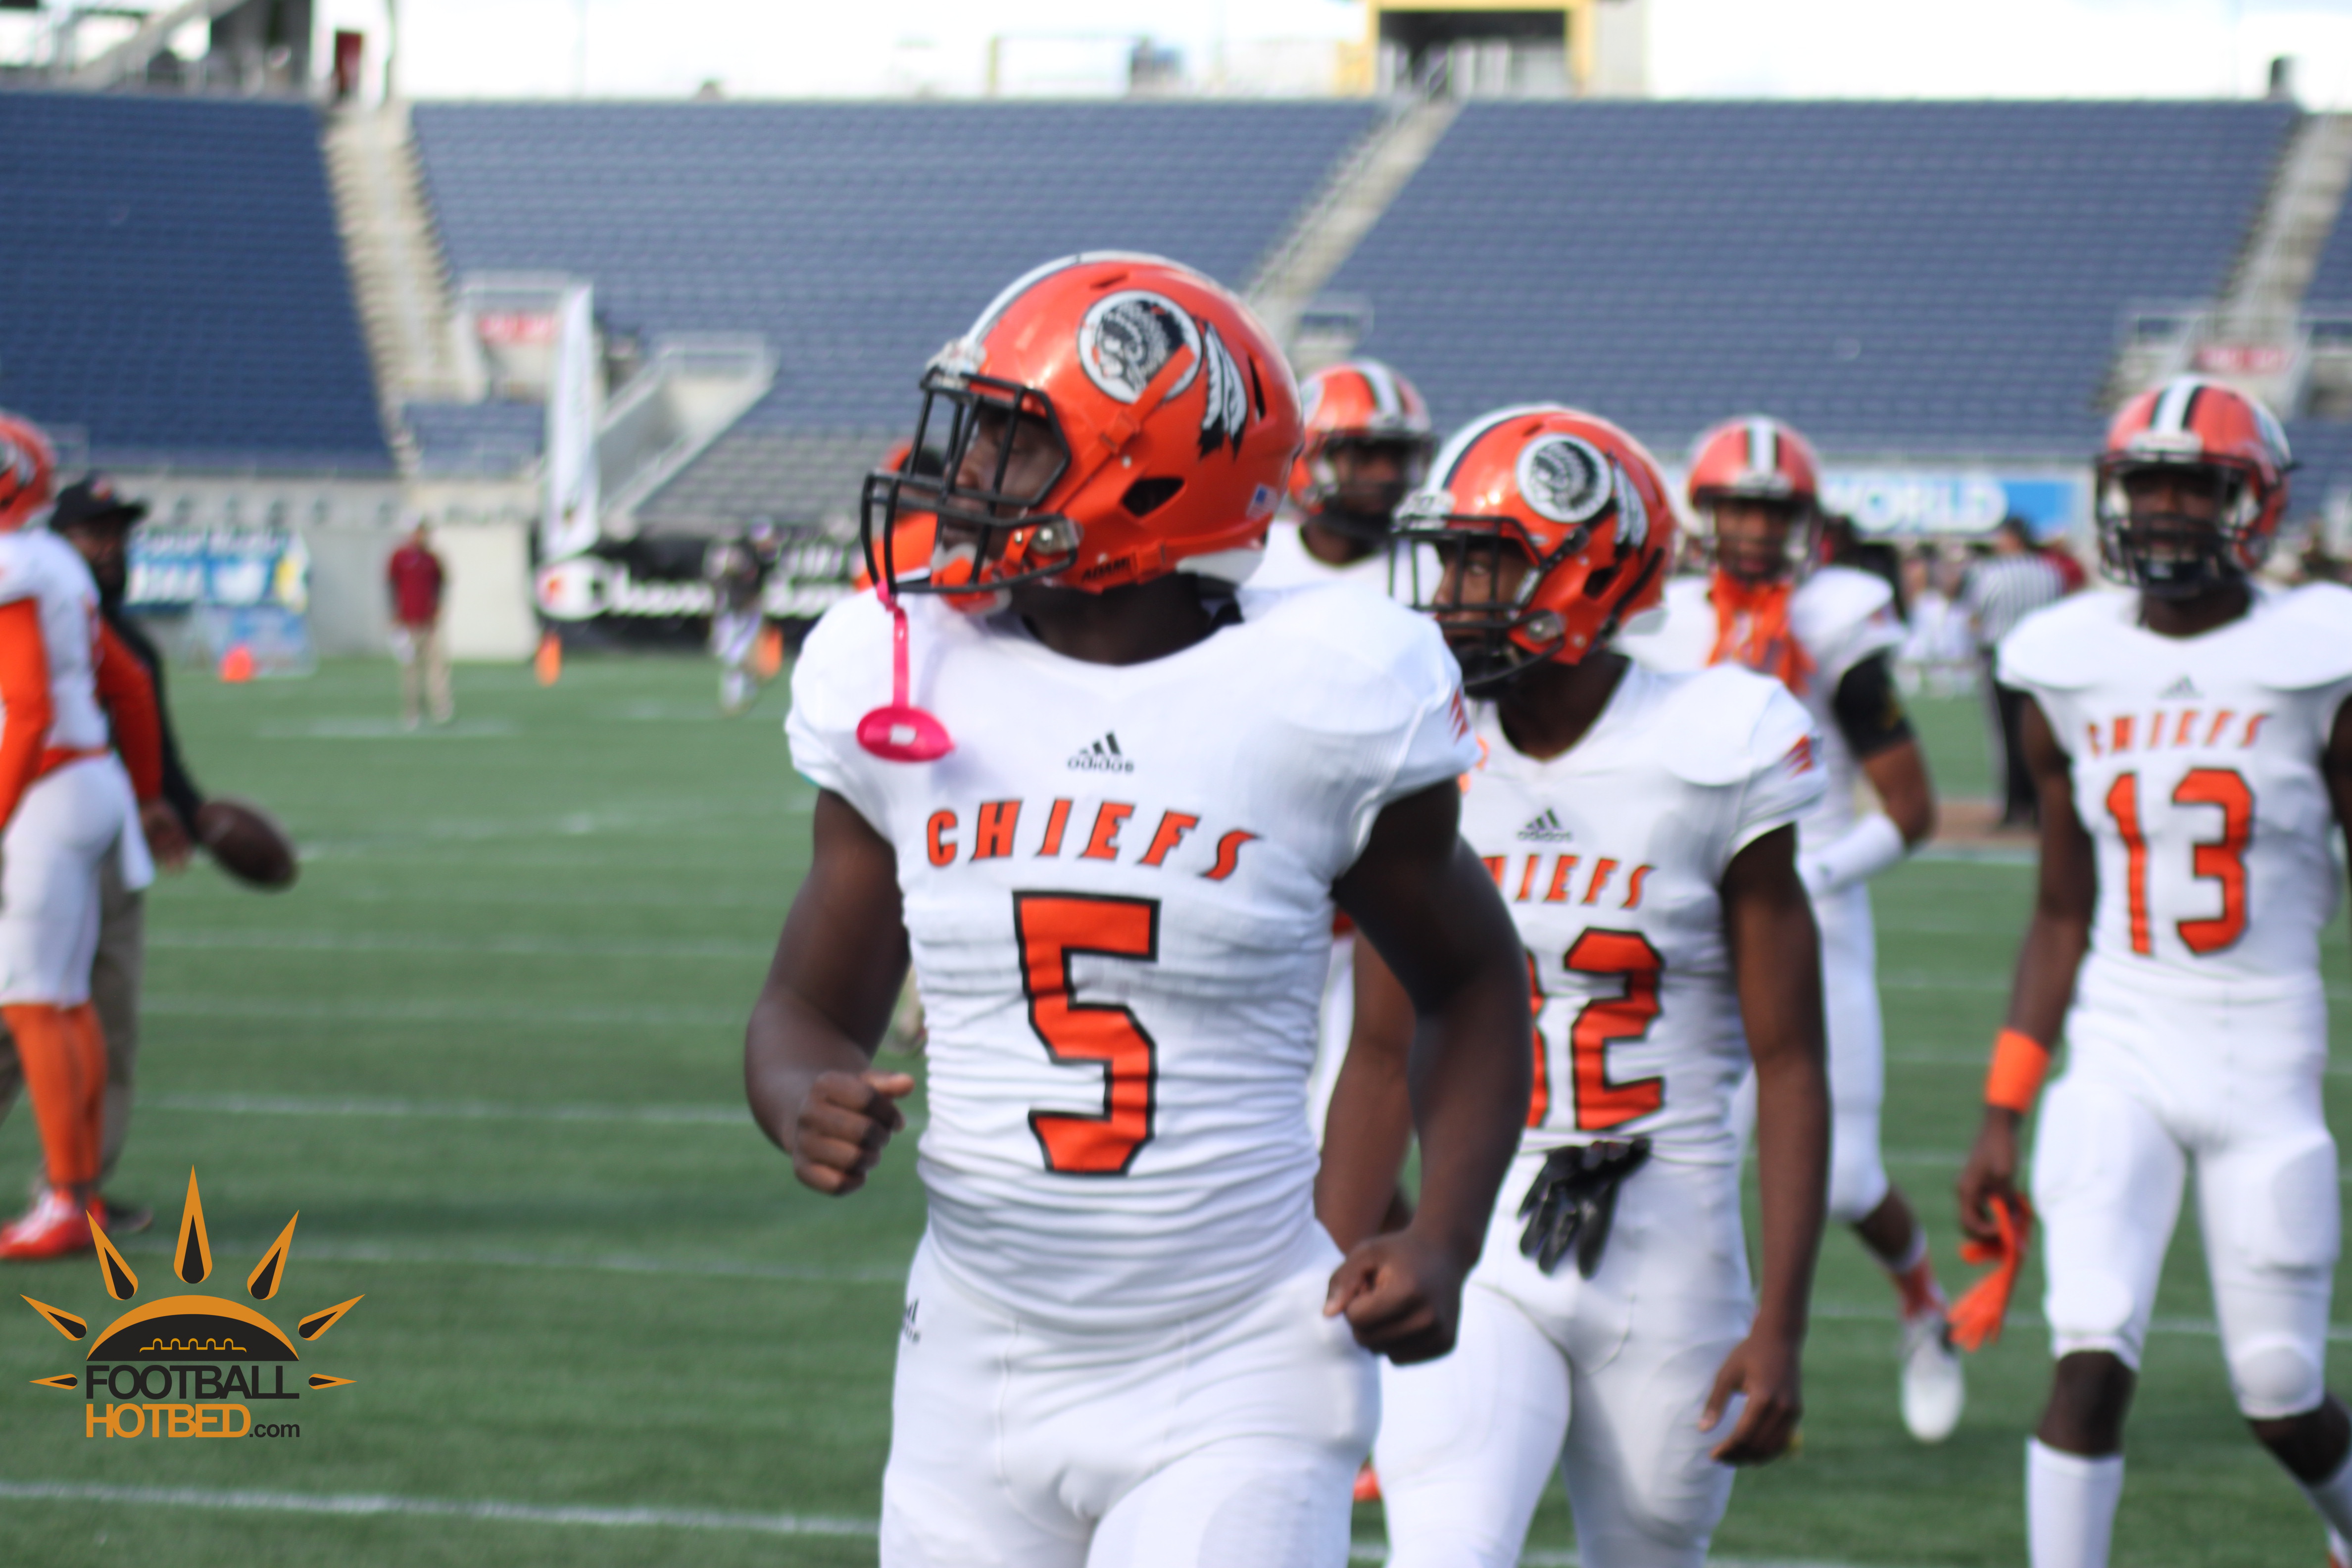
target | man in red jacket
x=415, y=579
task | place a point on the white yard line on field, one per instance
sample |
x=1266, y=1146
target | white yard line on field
x=430, y=1012
x=485, y=946
x=496, y=1257
x=454, y=1110
x=362, y=1505
x=369, y=1505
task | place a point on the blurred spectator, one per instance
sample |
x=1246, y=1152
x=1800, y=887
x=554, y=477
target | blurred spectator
x=2002, y=589
x=738, y=576
x=415, y=577
x=1939, y=654
x=97, y=521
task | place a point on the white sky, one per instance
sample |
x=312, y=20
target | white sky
x=2039, y=48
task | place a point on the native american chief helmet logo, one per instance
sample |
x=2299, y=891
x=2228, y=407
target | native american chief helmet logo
x=1564, y=480
x=1127, y=338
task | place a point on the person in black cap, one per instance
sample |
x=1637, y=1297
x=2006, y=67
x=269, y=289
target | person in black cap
x=96, y=519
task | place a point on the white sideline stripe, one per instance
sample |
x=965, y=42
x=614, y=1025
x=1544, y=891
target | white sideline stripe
x=614, y=1016
x=493, y=1258
x=452, y=1110
x=367, y=1504
x=487, y=946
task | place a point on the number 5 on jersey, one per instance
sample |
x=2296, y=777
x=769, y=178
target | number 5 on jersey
x=1050, y=928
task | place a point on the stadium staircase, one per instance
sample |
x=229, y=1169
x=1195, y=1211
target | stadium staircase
x=398, y=278
x=2255, y=335
x=1289, y=280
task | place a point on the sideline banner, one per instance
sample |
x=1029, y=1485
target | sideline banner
x=1915, y=502
x=653, y=589
x=240, y=587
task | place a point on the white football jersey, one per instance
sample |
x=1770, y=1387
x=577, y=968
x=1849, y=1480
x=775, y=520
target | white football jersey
x=2196, y=771
x=1288, y=564
x=1611, y=858
x=1840, y=616
x=37, y=565
x=1118, y=888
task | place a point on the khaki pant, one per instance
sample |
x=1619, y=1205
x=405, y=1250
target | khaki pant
x=423, y=655
x=114, y=991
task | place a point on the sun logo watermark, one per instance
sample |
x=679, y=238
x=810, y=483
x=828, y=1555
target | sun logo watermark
x=186, y=1366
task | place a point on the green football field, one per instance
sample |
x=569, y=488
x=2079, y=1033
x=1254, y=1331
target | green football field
x=489, y=1049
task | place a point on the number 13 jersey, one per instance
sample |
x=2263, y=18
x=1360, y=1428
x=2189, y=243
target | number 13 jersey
x=1118, y=889
x=1611, y=858
x=2196, y=771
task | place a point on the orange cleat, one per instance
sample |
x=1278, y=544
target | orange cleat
x=54, y=1226
x=1368, y=1485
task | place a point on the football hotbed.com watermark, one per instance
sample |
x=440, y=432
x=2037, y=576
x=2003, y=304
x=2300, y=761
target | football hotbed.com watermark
x=192, y=1365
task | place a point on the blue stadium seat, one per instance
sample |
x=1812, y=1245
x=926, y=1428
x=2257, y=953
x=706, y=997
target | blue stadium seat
x=176, y=286
x=858, y=237
x=1893, y=277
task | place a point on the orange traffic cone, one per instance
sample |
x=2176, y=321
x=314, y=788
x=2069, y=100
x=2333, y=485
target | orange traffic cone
x=237, y=664
x=549, y=660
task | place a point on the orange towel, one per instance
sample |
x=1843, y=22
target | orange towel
x=1977, y=1317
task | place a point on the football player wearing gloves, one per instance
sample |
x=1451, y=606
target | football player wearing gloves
x=2190, y=744
x=1107, y=802
x=67, y=806
x=1642, y=828
x=1368, y=444
x=1829, y=635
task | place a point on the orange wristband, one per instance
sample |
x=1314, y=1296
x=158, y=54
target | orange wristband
x=2019, y=1062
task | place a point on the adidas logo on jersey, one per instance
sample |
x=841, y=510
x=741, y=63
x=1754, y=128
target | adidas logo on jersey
x=1103, y=757
x=1546, y=828
x=2184, y=687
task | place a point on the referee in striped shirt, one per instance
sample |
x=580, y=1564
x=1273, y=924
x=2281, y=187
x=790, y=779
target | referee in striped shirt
x=2002, y=589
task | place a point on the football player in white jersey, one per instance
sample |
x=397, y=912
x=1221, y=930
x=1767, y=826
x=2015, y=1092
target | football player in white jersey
x=1368, y=444
x=1642, y=828
x=1109, y=803
x=65, y=804
x=2191, y=747
x=1829, y=634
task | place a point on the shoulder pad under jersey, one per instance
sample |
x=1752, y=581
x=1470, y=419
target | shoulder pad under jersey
x=1341, y=625
x=2071, y=644
x=2308, y=638
x=1833, y=602
x=1723, y=724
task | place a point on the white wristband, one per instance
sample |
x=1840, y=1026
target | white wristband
x=1861, y=852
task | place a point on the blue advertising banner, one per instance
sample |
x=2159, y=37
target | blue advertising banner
x=245, y=588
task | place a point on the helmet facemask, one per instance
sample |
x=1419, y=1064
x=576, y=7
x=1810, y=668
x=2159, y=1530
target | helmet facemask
x=1800, y=546
x=1002, y=454
x=2177, y=530
x=1346, y=499
x=1487, y=571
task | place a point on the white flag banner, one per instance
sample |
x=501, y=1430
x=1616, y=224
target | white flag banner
x=569, y=526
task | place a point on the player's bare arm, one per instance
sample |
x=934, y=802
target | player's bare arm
x=1431, y=912
x=1899, y=776
x=1776, y=966
x=2056, y=941
x=1369, y=1126
x=808, y=1053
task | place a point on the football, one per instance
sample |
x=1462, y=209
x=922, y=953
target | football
x=247, y=843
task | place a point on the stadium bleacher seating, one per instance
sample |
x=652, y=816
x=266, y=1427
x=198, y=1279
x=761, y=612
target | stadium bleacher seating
x=858, y=236
x=176, y=287
x=1896, y=277
x=491, y=439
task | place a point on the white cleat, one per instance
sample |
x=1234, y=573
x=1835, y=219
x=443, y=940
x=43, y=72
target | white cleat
x=1935, y=1390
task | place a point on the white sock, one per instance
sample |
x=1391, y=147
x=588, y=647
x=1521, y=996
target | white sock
x=2070, y=1507
x=2338, y=1553
x=2333, y=1498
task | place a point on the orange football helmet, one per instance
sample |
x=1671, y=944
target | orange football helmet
x=1759, y=460
x=1361, y=405
x=1575, y=503
x=1109, y=418
x=28, y=469
x=2190, y=435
